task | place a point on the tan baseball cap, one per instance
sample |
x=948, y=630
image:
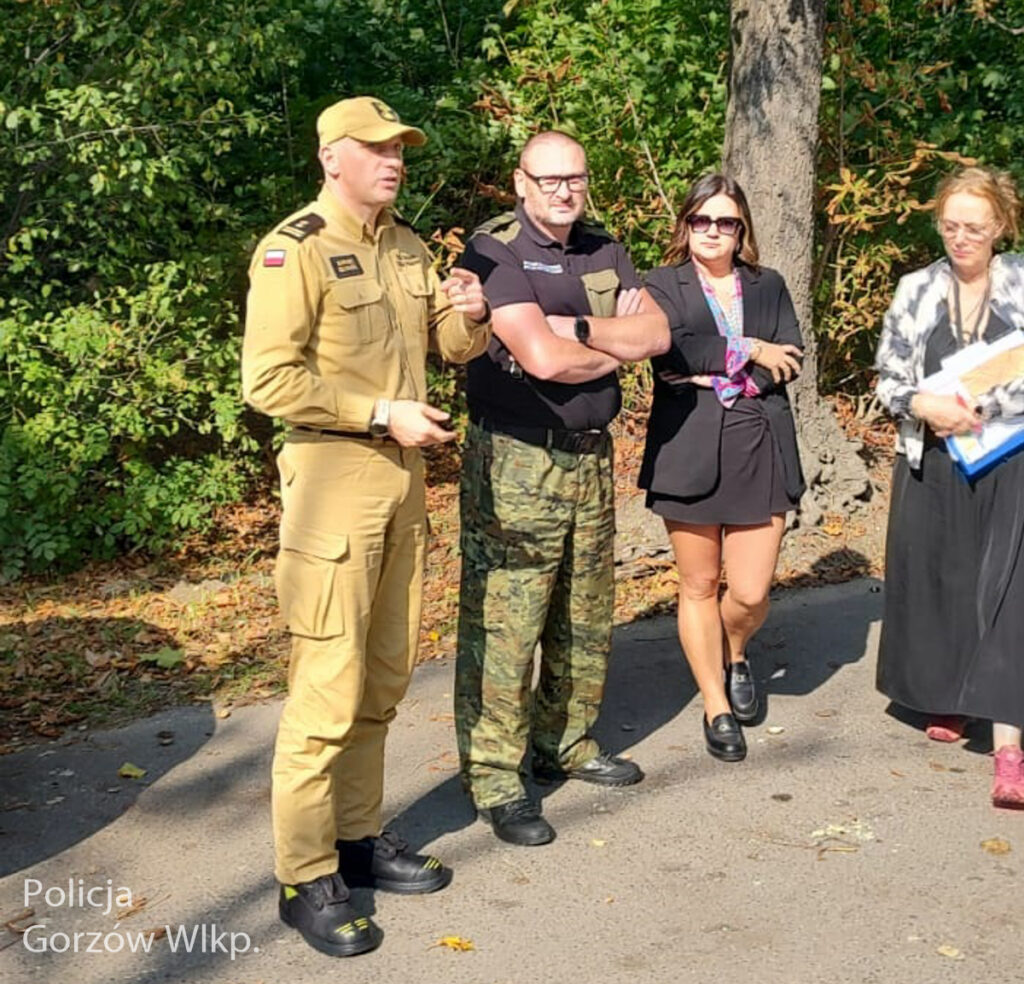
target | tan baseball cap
x=367, y=119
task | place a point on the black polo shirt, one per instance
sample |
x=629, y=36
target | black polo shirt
x=519, y=264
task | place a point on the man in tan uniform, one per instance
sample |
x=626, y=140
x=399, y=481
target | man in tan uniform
x=343, y=307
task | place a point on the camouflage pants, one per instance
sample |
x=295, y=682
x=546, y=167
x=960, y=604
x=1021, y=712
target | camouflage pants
x=537, y=566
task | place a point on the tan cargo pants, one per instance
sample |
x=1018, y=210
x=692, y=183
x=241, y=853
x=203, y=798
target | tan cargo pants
x=349, y=580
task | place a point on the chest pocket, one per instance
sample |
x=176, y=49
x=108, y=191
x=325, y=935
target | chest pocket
x=414, y=297
x=601, y=287
x=413, y=279
x=359, y=302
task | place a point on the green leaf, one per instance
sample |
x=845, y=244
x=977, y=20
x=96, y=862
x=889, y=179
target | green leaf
x=166, y=658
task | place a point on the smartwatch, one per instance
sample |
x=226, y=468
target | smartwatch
x=582, y=328
x=381, y=418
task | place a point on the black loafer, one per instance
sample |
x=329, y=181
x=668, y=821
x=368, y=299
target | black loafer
x=385, y=862
x=724, y=738
x=602, y=769
x=739, y=684
x=320, y=910
x=519, y=822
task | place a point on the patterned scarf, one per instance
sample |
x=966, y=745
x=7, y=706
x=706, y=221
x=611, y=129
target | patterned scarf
x=736, y=380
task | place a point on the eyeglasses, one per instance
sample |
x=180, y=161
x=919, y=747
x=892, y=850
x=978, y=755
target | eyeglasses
x=972, y=231
x=550, y=183
x=726, y=225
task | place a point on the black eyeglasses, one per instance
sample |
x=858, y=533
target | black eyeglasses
x=726, y=225
x=550, y=183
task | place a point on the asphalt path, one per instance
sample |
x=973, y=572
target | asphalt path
x=846, y=848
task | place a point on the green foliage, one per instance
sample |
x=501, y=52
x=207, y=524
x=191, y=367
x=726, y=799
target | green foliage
x=144, y=147
x=915, y=89
x=641, y=84
x=132, y=176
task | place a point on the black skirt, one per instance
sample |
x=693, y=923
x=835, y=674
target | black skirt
x=751, y=477
x=953, y=633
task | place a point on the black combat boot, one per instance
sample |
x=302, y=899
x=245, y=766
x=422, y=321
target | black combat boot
x=602, y=770
x=519, y=822
x=385, y=862
x=320, y=910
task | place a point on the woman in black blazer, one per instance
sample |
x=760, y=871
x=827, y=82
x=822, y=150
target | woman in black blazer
x=721, y=464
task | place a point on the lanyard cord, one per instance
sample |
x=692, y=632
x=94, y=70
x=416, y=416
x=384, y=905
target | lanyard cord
x=982, y=307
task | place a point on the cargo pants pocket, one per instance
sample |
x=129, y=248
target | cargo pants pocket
x=306, y=577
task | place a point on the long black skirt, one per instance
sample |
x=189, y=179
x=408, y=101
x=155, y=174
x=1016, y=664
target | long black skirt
x=953, y=637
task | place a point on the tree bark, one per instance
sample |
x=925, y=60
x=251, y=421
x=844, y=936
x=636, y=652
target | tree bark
x=771, y=142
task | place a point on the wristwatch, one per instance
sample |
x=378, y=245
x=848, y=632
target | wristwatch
x=582, y=329
x=381, y=418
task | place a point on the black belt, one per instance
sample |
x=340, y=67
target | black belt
x=576, y=441
x=358, y=435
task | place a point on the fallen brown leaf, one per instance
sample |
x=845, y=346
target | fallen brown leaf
x=138, y=904
x=97, y=660
x=11, y=923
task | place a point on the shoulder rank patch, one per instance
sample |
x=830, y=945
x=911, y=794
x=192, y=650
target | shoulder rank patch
x=305, y=225
x=346, y=265
x=504, y=227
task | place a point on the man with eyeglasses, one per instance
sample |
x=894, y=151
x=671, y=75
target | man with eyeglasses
x=537, y=495
x=343, y=305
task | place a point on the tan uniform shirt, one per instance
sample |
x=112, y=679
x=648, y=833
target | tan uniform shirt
x=340, y=315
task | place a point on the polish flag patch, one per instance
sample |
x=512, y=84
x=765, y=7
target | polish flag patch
x=274, y=258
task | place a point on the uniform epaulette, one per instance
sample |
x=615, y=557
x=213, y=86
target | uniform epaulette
x=504, y=227
x=303, y=226
x=402, y=220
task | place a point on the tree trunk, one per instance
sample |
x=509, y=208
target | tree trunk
x=771, y=140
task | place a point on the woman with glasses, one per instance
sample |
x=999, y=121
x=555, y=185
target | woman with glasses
x=721, y=464
x=952, y=642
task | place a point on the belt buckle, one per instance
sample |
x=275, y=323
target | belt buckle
x=581, y=442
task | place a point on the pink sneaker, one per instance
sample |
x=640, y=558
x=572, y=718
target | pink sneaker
x=1008, y=783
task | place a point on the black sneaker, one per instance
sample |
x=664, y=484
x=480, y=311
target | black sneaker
x=321, y=912
x=603, y=770
x=519, y=822
x=383, y=862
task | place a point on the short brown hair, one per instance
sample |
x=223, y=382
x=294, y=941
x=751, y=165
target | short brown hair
x=996, y=187
x=678, y=250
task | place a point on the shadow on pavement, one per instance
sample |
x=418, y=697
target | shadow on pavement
x=57, y=794
x=808, y=637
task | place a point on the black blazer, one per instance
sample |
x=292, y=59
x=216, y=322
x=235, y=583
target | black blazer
x=685, y=426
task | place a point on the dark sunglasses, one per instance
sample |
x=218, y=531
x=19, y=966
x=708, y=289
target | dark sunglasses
x=726, y=225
